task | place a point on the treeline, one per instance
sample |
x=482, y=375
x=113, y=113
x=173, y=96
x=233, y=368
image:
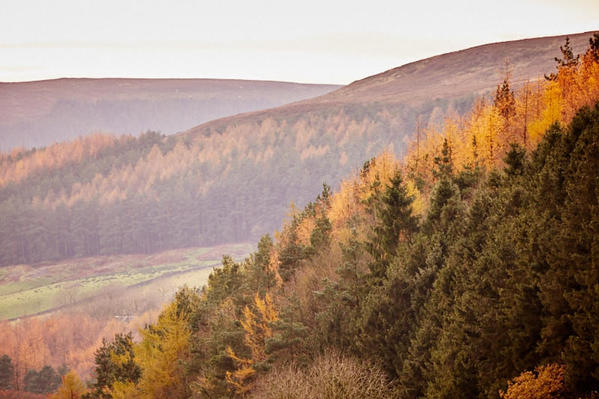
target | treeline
x=44, y=381
x=33, y=345
x=43, y=384
x=103, y=195
x=487, y=289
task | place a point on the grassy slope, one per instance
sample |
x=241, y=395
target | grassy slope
x=32, y=289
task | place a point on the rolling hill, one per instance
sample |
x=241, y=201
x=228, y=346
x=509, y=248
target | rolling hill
x=232, y=179
x=40, y=113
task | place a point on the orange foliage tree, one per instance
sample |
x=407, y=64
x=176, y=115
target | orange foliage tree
x=546, y=382
x=483, y=137
x=62, y=339
x=257, y=325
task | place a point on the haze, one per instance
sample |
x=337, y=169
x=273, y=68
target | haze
x=309, y=41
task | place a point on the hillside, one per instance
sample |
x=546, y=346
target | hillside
x=232, y=180
x=461, y=73
x=467, y=269
x=39, y=113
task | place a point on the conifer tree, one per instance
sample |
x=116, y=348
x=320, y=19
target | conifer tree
x=567, y=61
x=114, y=362
x=394, y=224
x=504, y=100
x=7, y=370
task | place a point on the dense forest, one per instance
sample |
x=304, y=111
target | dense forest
x=469, y=269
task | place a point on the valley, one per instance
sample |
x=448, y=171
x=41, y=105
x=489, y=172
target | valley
x=104, y=286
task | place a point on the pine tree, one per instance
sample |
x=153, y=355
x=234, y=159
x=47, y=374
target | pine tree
x=567, y=61
x=504, y=100
x=114, y=362
x=394, y=224
x=7, y=370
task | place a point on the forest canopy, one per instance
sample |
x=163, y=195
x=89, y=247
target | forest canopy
x=467, y=270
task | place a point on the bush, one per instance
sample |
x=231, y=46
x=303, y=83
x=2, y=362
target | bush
x=331, y=376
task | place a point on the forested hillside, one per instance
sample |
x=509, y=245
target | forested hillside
x=469, y=269
x=39, y=113
x=232, y=180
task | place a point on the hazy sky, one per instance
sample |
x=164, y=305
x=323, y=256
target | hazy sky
x=316, y=41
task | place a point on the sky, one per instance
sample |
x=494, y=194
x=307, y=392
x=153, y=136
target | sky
x=309, y=41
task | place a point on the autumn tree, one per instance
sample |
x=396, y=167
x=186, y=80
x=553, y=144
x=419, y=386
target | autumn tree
x=71, y=387
x=258, y=328
x=546, y=382
x=162, y=352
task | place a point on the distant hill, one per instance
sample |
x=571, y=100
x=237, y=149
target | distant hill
x=40, y=113
x=232, y=179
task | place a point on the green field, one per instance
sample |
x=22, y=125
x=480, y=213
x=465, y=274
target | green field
x=110, y=284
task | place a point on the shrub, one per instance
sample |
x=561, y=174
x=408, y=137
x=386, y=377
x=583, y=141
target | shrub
x=331, y=376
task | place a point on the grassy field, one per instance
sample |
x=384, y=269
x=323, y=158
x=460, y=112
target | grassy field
x=111, y=284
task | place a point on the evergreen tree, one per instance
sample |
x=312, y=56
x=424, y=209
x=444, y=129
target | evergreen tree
x=114, y=362
x=291, y=254
x=444, y=162
x=7, y=370
x=260, y=274
x=394, y=224
x=594, y=47
x=568, y=59
x=504, y=100
x=44, y=381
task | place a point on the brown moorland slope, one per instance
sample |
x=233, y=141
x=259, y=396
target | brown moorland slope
x=451, y=76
